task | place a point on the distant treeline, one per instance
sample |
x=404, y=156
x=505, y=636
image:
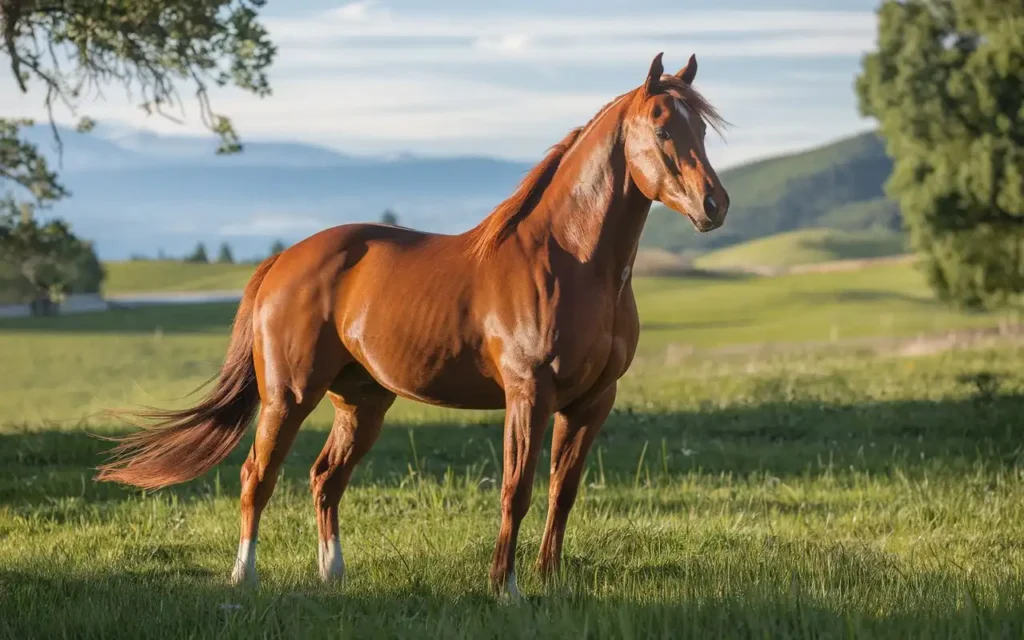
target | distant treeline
x=199, y=255
x=225, y=255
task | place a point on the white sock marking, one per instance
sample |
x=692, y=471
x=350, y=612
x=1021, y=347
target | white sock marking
x=511, y=588
x=245, y=562
x=331, y=560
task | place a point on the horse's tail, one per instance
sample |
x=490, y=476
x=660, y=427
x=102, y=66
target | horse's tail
x=182, y=445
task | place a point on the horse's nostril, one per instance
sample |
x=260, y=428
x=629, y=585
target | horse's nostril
x=710, y=206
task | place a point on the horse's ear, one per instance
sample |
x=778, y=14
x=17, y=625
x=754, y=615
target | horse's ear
x=689, y=70
x=654, y=75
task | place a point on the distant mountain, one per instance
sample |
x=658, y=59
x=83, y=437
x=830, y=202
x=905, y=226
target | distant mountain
x=140, y=193
x=838, y=186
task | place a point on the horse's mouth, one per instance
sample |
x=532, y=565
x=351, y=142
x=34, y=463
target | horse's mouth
x=703, y=225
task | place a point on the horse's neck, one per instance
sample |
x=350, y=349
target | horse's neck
x=596, y=210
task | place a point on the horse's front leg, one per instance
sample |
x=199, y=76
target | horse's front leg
x=576, y=427
x=529, y=401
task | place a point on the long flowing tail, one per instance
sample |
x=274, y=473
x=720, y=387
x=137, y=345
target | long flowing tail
x=177, y=446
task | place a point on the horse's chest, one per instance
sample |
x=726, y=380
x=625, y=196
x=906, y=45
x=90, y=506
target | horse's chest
x=595, y=356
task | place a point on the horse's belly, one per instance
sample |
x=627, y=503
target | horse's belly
x=436, y=377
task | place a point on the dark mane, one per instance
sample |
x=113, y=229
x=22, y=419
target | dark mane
x=695, y=101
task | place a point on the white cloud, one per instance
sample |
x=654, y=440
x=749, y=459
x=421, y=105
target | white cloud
x=507, y=44
x=374, y=22
x=329, y=88
x=356, y=12
x=273, y=225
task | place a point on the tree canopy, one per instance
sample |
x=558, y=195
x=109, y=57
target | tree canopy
x=224, y=255
x=73, y=50
x=947, y=87
x=198, y=255
x=42, y=259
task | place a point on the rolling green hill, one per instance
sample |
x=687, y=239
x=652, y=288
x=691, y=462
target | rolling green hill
x=806, y=246
x=144, y=276
x=837, y=186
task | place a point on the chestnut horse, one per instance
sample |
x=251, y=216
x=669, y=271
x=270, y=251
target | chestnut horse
x=531, y=311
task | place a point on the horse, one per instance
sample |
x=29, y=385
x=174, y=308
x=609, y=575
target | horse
x=531, y=311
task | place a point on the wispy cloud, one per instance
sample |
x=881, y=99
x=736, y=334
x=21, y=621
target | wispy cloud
x=273, y=225
x=363, y=20
x=365, y=78
x=339, y=37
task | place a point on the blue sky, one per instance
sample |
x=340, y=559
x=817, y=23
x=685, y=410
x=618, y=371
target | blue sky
x=509, y=79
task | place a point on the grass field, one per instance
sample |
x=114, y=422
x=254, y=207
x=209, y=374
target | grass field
x=144, y=276
x=806, y=246
x=818, y=494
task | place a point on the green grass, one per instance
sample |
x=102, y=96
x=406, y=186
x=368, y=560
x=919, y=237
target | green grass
x=887, y=300
x=806, y=246
x=821, y=494
x=143, y=276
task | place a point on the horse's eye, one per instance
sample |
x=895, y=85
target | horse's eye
x=662, y=133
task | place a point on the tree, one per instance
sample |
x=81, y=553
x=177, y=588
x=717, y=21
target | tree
x=277, y=247
x=71, y=49
x=44, y=260
x=389, y=217
x=224, y=254
x=945, y=85
x=198, y=255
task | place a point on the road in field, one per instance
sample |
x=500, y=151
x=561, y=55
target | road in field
x=173, y=297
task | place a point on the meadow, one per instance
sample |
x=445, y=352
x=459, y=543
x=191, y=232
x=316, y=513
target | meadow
x=840, y=483
x=806, y=246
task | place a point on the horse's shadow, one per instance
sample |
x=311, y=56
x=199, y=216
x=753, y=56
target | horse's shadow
x=784, y=439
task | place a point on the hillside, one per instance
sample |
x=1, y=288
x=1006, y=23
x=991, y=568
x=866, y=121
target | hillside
x=886, y=300
x=145, y=276
x=806, y=246
x=140, y=193
x=838, y=186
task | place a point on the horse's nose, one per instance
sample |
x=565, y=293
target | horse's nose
x=710, y=206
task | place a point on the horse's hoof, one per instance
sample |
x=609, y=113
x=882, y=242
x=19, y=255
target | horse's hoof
x=509, y=591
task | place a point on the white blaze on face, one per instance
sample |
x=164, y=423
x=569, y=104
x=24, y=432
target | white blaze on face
x=696, y=203
x=331, y=560
x=682, y=109
x=245, y=562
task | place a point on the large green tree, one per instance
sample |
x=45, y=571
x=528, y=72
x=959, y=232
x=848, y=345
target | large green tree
x=947, y=87
x=70, y=50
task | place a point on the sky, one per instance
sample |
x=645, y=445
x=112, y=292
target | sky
x=509, y=79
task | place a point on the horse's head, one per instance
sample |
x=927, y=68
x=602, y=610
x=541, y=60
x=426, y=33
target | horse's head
x=665, y=129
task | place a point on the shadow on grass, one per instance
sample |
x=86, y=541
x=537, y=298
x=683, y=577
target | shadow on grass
x=781, y=439
x=158, y=604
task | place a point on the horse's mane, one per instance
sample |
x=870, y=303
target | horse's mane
x=493, y=229
x=500, y=224
x=695, y=101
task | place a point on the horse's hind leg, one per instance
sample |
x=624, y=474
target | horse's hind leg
x=289, y=391
x=357, y=422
